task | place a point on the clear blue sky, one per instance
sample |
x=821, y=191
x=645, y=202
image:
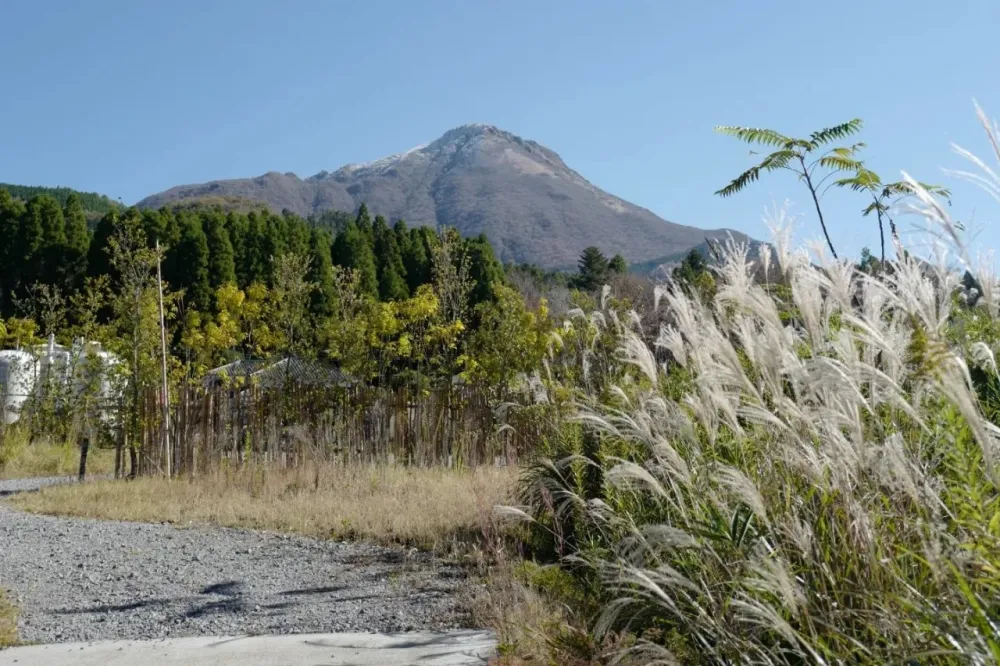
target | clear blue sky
x=129, y=98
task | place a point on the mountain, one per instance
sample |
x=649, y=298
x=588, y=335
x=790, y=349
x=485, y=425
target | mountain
x=479, y=179
x=94, y=205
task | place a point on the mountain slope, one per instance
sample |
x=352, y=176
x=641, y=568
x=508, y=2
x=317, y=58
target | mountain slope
x=479, y=179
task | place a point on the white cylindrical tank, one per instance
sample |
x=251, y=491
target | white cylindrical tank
x=53, y=370
x=17, y=381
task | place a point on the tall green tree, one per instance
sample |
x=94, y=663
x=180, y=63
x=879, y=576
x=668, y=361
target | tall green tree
x=801, y=156
x=238, y=230
x=352, y=250
x=484, y=269
x=11, y=212
x=258, y=261
x=321, y=273
x=74, y=254
x=592, y=270
x=364, y=223
x=618, y=265
x=388, y=263
x=51, y=218
x=186, y=264
x=694, y=276
x=416, y=258
x=77, y=236
x=221, y=257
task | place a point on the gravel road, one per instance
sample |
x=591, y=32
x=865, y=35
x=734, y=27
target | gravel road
x=79, y=580
x=11, y=486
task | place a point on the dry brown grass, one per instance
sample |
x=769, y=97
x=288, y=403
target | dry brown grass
x=21, y=460
x=8, y=622
x=432, y=508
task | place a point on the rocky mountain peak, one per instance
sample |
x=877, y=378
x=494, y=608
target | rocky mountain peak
x=477, y=178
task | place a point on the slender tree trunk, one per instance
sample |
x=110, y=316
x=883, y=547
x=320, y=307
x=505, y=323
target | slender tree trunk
x=819, y=212
x=119, y=461
x=163, y=366
x=133, y=459
x=133, y=462
x=881, y=229
x=84, y=450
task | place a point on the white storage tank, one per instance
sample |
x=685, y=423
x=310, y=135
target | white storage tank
x=53, y=368
x=90, y=359
x=17, y=382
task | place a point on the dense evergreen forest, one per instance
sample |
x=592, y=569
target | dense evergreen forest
x=94, y=205
x=351, y=288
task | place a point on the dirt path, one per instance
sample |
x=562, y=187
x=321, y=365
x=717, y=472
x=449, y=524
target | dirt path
x=81, y=580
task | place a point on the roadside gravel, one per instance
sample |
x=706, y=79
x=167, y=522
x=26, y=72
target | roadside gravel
x=79, y=579
x=11, y=486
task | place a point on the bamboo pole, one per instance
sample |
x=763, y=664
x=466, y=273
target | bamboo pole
x=163, y=362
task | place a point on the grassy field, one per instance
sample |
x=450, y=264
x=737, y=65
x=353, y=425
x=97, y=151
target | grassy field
x=21, y=460
x=436, y=509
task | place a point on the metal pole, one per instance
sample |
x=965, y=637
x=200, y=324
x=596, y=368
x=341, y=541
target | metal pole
x=163, y=363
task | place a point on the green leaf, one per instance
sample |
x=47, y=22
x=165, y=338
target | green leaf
x=764, y=137
x=776, y=160
x=862, y=180
x=839, y=163
x=740, y=182
x=834, y=133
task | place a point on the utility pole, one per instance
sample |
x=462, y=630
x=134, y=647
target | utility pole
x=163, y=364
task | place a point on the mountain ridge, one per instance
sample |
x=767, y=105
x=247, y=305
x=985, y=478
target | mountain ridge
x=478, y=178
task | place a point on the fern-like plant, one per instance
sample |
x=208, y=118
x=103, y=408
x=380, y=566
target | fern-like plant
x=884, y=196
x=800, y=156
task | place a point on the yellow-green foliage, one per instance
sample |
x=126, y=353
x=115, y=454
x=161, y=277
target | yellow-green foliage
x=509, y=340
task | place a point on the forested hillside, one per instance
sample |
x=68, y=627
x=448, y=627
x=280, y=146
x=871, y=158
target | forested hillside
x=247, y=284
x=94, y=205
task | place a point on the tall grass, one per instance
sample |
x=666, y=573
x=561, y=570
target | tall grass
x=435, y=508
x=22, y=458
x=793, y=473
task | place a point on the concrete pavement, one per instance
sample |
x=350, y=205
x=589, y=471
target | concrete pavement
x=451, y=648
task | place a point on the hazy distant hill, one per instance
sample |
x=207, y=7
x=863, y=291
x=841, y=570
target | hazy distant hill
x=479, y=179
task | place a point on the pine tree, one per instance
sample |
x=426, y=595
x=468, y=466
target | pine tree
x=73, y=262
x=52, y=221
x=11, y=212
x=416, y=260
x=77, y=236
x=321, y=273
x=258, y=261
x=388, y=263
x=484, y=269
x=98, y=254
x=221, y=258
x=618, y=265
x=351, y=250
x=186, y=264
x=238, y=230
x=364, y=224
x=592, y=270
x=297, y=235
x=273, y=244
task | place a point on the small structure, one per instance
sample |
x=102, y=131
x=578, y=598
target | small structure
x=17, y=383
x=56, y=370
